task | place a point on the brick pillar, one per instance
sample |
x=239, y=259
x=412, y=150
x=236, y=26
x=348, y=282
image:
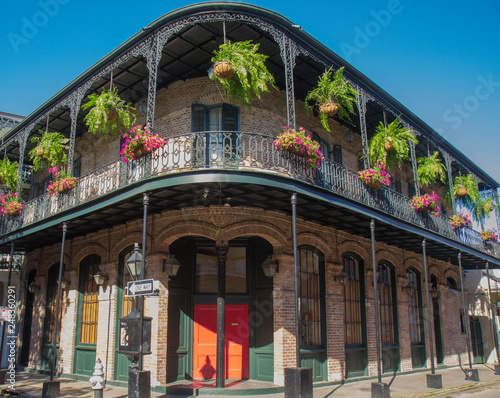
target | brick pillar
x=106, y=321
x=68, y=322
x=157, y=308
x=335, y=331
x=284, y=317
x=404, y=325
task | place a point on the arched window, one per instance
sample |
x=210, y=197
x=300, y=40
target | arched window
x=452, y=283
x=354, y=317
x=417, y=338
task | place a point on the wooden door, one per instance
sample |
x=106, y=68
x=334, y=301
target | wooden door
x=205, y=341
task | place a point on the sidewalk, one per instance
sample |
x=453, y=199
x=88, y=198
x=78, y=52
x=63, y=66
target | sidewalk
x=29, y=385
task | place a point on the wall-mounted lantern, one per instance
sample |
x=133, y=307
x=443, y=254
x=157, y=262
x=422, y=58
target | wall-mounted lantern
x=171, y=266
x=269, y=266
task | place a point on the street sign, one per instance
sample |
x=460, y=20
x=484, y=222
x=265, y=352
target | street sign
x=140, y=288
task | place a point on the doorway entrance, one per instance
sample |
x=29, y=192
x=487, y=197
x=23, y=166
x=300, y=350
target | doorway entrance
x=205, y=341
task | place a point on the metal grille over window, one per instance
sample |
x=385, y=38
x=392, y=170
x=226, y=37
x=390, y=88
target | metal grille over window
x=353, y=303
x=90, y=302
x=387, y=304
x=415, y=308
x=310, y=298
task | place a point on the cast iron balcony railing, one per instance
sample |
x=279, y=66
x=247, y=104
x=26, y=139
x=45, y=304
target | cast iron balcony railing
x=239, y=151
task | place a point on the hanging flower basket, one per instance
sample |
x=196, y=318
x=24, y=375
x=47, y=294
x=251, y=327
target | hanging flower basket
x=39, y=151
x=62, y=182
x=223, y=70
x=112, y=115
x=462, y=191
x=375, y=177
x=139, y=142
x=10, y=205
x=300, y=144
x=426, y=203
x=389, y=146
x=460, y=221
x=329, y=109
x=489, y=236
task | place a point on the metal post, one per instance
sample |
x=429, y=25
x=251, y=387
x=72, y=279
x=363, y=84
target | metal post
x=429, y=321
x=375, y=286
x=220, y=375
x=4, y=322
x=297, y=280
x=495, y=335
x=145, y=201
x=58, y=302
x=470, y=372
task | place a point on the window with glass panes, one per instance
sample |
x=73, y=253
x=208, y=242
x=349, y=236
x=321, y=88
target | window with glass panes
x=50, y=305
x=354, y=302
x=89, y=300
x=415, y=309
x=387, y=307
x=310, y=298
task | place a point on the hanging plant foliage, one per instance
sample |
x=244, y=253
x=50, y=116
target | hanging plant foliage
x=241, y=70
x=50, y=150
x=430, y=169
x=399, y=138
x=332, y=95
x=108, y=113
x=8, y=173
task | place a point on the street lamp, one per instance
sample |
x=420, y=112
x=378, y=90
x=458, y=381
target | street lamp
x=269, y=266
x=134, y=263
x=171, y=266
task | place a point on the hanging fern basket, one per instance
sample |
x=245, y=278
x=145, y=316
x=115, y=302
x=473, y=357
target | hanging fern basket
x=389, y=146
x=223, y=70
x=329, y=109
x=112, y=115
x=462, y=191
x=39, y=151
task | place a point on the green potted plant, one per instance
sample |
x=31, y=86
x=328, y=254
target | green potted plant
x=139, y=142
x=332, y=95
x=300, y=144
x=240, y=68
x=108, y=113
x=391, y=144
x=10, y=206
x=375, y=177
x=430, y=169
x=8, y=173
x=49, y=151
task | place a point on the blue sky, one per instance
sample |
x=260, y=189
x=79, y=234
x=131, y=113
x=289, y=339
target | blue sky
x=439, y=59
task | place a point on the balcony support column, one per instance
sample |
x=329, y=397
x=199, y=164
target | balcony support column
x=361, y=101
x=447, y=162
x=75, y=104
x=289, y=51
x=220, y=375
x=22, y=147
x=153, y=59
x=414, y=167
x=493, y=320
x=3, y=373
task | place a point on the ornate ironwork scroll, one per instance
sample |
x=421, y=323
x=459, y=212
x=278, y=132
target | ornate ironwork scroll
x=361, y=104
x=447, y=161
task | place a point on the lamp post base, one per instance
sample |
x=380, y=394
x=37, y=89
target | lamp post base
x=381, y=390
x=139, y=382
x=51, y=389
x=298, y=383
x=472, y=374
x=434, y=381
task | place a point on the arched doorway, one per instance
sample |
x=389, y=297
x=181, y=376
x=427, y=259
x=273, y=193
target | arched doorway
x=191, y=339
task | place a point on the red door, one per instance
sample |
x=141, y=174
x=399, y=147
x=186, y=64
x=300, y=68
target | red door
x=205, y=341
